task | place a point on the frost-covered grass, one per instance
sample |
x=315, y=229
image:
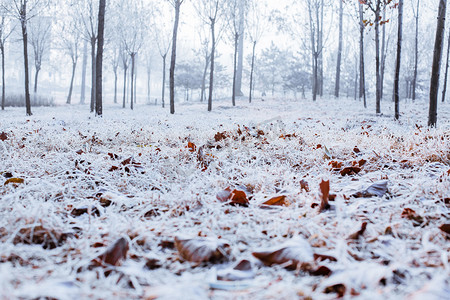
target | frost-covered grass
x=69, y=159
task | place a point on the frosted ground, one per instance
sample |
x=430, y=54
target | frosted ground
x=74, y=184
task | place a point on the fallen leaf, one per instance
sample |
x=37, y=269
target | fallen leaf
x=325, y=191
x=304, y=185
x=339, y=289
x=321, y=271
x=241, y=271
x=445, y=228
x=14, y=180
x=356, y=235
x=233, y=197
x=93, y=211
x=350, y=171
x=202, y=249
x=322, y=257
x=410, y=214
x=377, y=189
x=290, y=257
x=39, y=235
x=279, y=201
x=192, y=147
x=114, y=254
x=3, y=136
x=220, y=136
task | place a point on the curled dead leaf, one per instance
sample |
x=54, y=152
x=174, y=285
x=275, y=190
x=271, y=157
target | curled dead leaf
x=278, y=201
x=445, y=228
x=410, y=214
x=3, y=136
x=14, y=180
x=356, y=235
x=202, y=249
x=325, y=191
x=378, y=189
x=113, y=255
x=233, y=197
x=241, y=271
x=350, y=170
x=40, y=235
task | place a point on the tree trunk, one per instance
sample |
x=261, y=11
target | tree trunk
x=444, y=89
x=377, y=57
x=2, y=50
x=83, y=75
x=362, y=76
x=416, y=53
x=339, y=57
x=115, y=85
x=174, y=56
x=133, y=56
x=383, y=55
x=398, y=60
x=211, y=72
x=163, y=80
x=125, y=68
x=240, y=62
x=251, y=73
x=435, y=72
x=99, y=62
x=69, y=97
x=36, y=76
x=25, y=58
x=205, y=70
x=233, y=95
x=93, y=77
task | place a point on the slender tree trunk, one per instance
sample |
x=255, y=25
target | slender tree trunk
x=164, y=81
x=174, y=57
x=339, y=57
x=211, y=72
x=377, y=58
x=115, y=85
x=36, y=76
x=383, y=55
x=251, y=73
x=2, y=50
x=233, y=95
x=83, y=74
x=25, y=58
x=362, y=76
x=398, y=60
x=416, y=53
x=435, y=72
x=205, y=71
x=93, y=69
x=240, y=62
x=125, y=68
x=99, y=62
x=133, y=55
x=444, y=89
x=69, y=97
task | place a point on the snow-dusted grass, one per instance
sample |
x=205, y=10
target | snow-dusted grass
x=68, y=159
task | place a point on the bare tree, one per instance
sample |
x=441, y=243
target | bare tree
x=435, y=71
x=83, y=73
x=362, y=75
x=339, y=56
x=40, y=29
x=209, y=13
x=125, y=63
x=416, y=49
x=99, y=58
x=257, y=24
x=398, y=60
x=6, y=28
x=176, y=5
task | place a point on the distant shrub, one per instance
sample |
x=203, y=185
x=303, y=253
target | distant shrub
x=18, y=100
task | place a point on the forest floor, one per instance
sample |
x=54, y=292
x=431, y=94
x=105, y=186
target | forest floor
x=232, y=204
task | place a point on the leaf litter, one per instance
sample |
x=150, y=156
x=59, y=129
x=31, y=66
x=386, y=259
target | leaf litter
x=97, y=208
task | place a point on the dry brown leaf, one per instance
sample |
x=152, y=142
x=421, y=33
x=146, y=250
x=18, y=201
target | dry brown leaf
x=322, y=257
x=350, y=170
x=290, y=257
x=445, y=228
x=339, y=289
x=192, y=147
x=242, y=271
x=325, y=191
x=202, y=249
x=39, y=235
x=233, y=197
x=410, y=214
x=3, y=136
x=304, y=185
x=377, y=189
x=14, y=180
x=356, y=235
x=113, y=255
x=279, y=201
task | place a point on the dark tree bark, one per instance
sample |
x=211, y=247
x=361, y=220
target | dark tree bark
x=125, y=68
x=23, y=22
x=398, y=60
x=99, y=59
x=83, y=74
x=444, y=89
x=163, y=81
x=377, y=56
x=93, y=70
x=177, y=5
x=383, y=55
x=251, y=73
x=416, y=52
x=339, y=57
x=437, y=55
x=36, y=76
x=74, y=67
x=362, y=76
